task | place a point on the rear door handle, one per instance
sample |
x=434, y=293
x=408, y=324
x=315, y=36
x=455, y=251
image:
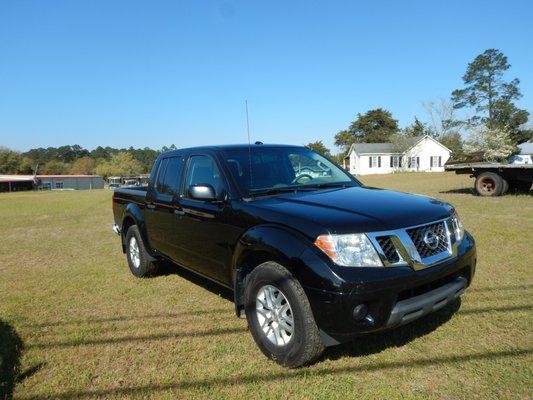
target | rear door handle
x=150, y=206
x=179, y=212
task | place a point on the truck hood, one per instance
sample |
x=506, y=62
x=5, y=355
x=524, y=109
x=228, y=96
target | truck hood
x=355, y=209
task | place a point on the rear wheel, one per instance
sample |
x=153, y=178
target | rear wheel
x=139, y=261
x=280, y=317
x=489, y=184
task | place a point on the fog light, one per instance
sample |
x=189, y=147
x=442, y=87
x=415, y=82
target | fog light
x=360, y=311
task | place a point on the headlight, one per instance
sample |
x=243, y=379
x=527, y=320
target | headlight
x=352, y=250
x=458, y=229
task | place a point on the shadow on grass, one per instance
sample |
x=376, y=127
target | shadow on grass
x=460, y=191
x=143, y=338
x=473, y=192
x=10, y=350
x=168, y=268
x=126, y=318
x=11, y=347
x=272, y=377
x=366, y=345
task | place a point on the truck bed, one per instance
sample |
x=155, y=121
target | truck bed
x=123, y=196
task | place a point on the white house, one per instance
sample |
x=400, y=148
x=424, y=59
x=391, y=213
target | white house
x=427, y=154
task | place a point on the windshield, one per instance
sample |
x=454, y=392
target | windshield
x=283, y=168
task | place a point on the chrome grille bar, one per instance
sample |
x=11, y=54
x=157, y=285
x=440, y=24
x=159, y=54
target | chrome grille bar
x=414, y=246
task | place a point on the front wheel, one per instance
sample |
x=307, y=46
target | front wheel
x=280, y=317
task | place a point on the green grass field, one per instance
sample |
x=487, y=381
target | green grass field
x=75, y=324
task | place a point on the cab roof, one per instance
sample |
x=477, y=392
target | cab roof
x=228, y=147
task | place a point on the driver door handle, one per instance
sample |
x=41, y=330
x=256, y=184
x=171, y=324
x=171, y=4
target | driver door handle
x=179, y=212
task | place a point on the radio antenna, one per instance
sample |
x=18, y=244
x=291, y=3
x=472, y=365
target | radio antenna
x=249, y=142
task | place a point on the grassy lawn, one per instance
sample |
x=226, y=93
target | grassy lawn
x=75, y=324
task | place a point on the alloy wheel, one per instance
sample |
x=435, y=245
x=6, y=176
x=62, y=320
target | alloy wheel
x=274, y=314
x=134, y=252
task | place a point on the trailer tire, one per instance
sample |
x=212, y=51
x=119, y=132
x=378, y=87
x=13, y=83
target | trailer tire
x=505, y=187
x=489, y=184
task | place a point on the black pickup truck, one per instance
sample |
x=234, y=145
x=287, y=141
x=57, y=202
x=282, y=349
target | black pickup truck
x=313, y=259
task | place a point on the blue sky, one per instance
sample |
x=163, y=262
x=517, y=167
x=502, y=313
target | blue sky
x=152, y=73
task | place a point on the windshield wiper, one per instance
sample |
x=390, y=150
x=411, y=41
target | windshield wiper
x=274, y=190
x=328, y=185
x=297, y=188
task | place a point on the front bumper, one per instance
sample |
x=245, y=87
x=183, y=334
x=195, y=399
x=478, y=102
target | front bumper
x=393, y=296
x=413, y=308
x=116, y=229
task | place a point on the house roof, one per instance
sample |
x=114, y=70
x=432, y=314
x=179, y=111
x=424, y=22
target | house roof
x=377, y=148
x=16, y=178
x=364, y=148
x=13, y=178
x=526, y=148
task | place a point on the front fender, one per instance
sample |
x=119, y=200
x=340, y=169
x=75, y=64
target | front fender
x=289, y=248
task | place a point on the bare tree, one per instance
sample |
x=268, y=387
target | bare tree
x=441, y=115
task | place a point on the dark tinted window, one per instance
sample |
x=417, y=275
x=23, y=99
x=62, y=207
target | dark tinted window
x=168, y=179
x=203, y=170
x=277, y=167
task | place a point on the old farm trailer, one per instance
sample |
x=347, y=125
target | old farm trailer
x=495, y=179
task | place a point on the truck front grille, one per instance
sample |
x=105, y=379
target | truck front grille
x=388, y=249
x=429, y=240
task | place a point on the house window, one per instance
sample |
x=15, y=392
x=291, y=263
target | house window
x=414, y=162
x=395, y=161
x=58, y=185
x=436, y=161
x=374, y=161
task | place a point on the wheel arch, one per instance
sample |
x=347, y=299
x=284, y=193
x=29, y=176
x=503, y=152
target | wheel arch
x=133, y=215
x=279, y=244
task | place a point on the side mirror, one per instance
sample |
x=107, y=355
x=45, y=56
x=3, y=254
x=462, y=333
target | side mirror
x=203, y=192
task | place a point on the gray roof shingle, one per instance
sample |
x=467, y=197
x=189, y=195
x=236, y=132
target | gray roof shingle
x=368, y=148
x=362, y=148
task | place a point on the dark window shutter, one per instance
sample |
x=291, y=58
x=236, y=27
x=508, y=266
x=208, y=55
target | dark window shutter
x=391, y=162
x=418, y=162
x=440, y=161
x=400, y=161
x=379, y=161
x=370, y=161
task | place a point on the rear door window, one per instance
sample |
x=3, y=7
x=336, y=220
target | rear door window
x=169, y=176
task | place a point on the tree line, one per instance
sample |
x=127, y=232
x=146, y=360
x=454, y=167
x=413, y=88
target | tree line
x=105, y=161
x=492, y=123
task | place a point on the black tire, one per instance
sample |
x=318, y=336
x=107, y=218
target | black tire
x=304, y=345
x=144, y=266
x=505, y=187
x=519, y=186
x=489, y=184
